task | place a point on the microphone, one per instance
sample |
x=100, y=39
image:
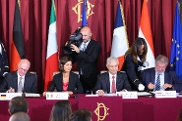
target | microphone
x=23, y=92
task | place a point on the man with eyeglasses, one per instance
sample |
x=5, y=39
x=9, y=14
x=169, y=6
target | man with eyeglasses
x=160, y=79
x=20, y=80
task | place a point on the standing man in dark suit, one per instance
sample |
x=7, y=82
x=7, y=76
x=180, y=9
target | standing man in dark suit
x=105, y=81
x=159, y=78
x=86, y=56
x=20, y=80
x=4, y=66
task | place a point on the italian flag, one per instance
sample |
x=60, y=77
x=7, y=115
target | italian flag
x=52, y=50
x=146, y=33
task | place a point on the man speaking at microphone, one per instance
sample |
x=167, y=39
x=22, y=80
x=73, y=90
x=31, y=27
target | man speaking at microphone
x=86, y=56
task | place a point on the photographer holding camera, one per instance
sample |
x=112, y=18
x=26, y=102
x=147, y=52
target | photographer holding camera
x=86, y=55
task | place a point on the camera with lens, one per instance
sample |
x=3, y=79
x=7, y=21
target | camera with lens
x=75, y=38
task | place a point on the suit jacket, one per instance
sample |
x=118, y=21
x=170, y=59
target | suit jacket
x=170, y=77
x=103, y=82
x=87, y=61
x=87, y=64
x=131, y=68
x=11, y=81
x=74, y=84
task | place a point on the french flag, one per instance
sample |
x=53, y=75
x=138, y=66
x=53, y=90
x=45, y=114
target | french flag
x=120, y=40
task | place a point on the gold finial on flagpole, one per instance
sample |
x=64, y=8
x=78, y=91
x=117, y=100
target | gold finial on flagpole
x=54, y=6
x=19, y=3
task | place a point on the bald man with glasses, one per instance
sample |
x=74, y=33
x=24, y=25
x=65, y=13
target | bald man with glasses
x=20, y=80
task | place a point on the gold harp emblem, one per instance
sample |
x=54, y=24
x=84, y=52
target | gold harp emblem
x=101, y=106
x=78, y=10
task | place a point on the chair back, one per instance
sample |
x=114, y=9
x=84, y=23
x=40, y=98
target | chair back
x=54, y=73
x=103, y=71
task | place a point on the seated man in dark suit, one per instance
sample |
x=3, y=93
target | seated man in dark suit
x=20, y=80
x=159, y=78
x=112, y=81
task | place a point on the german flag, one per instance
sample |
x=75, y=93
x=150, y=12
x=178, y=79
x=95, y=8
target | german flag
x=2, y=96
x=17, y=45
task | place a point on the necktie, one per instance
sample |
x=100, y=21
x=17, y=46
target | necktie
x=113, y=85
x=20, y=85
x=157, y=85
x=84, y=47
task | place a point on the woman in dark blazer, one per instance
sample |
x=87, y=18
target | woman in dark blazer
x=66, y=80
x=135, y=60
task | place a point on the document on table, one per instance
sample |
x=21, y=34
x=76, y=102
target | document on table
x=92, y=95
x=105, y=95
x=143, y=94
x=32, y=95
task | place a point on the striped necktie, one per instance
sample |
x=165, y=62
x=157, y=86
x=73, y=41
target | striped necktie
x=84, y=47
x=157, y=84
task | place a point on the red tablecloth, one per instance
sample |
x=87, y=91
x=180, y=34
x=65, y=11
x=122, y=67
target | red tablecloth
x=142, y=109
x=118, y=109
x=103, y=108
x=152, y=109
x=39, y=108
